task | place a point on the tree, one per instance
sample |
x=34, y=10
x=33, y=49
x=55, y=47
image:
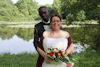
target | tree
x=57, y=5
x=7, y=10
x=27, y=8
x=88, y=9
x=92, y=9
x=52, y=9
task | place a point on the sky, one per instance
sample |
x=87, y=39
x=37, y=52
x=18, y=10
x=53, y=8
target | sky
x=40, y=2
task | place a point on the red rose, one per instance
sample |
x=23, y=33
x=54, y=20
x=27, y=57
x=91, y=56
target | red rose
x=51, y=53
x=68, y=53
x=56, y=54
x=60, y=53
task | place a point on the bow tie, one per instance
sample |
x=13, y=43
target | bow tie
x=46, y=23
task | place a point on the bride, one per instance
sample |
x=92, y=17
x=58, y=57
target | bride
x=54, y=38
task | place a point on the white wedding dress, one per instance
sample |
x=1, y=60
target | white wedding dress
x=60, y=43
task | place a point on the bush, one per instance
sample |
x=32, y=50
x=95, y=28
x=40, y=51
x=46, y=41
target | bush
x=80, y=16
x=69, y=18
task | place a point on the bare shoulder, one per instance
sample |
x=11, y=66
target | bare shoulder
x=46, y=33
x=65, y=33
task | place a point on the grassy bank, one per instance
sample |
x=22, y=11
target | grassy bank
x=20, y=60
x=86, y=59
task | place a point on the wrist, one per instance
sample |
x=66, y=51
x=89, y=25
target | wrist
x=44, y=55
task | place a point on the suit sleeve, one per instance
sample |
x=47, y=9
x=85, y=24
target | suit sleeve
x=36, y=38
x=41, y=43
x=40, y=58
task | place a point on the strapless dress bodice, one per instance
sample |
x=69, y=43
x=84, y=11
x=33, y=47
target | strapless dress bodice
x=60, y=43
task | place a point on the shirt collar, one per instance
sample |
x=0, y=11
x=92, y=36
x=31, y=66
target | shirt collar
x=46, y=22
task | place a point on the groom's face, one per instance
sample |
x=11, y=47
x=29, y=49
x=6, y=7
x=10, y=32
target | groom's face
x=44, y=14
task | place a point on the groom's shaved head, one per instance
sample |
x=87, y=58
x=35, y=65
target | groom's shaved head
x=42, y=7
x=44, y=13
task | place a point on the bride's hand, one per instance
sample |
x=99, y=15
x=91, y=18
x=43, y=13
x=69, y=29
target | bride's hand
x=47, y=59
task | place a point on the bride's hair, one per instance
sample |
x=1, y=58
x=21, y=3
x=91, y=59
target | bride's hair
x=55, y=15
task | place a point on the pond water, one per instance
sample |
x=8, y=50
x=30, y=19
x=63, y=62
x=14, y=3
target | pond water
x=16, y=45
x=18, y=40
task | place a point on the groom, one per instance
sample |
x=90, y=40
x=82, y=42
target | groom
x=40, y=28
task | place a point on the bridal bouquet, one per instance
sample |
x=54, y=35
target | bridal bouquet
x=56, y=54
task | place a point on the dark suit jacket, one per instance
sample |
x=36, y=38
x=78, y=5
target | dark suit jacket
x=38, y=31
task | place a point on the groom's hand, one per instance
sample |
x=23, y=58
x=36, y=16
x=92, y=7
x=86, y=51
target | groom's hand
x=47, y=59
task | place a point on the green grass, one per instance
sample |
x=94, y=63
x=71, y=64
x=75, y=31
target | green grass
x=20, y=60
x=85, y=59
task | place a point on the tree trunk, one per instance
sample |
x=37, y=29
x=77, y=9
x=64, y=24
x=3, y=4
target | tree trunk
x=98, y=38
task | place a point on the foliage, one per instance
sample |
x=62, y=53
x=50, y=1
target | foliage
x=81, y=10
x=80, y=16
x=86, y=34
x=27, y=8
x=22, y=10
x=91, y=8
x=69, y=18
x=91, y=35
x=25, y=34
x=57, y=5
x=52, y=10
x=85, y=8
x=8, y=11
x=6, y=33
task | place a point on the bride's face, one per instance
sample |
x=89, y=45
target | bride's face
x=55, y=23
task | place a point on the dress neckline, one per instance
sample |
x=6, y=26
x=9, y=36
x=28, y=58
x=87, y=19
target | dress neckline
x=55, y=38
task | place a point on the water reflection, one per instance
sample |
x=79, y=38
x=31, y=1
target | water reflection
x=18, y=40
x=8, y=33
x=16, y=45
